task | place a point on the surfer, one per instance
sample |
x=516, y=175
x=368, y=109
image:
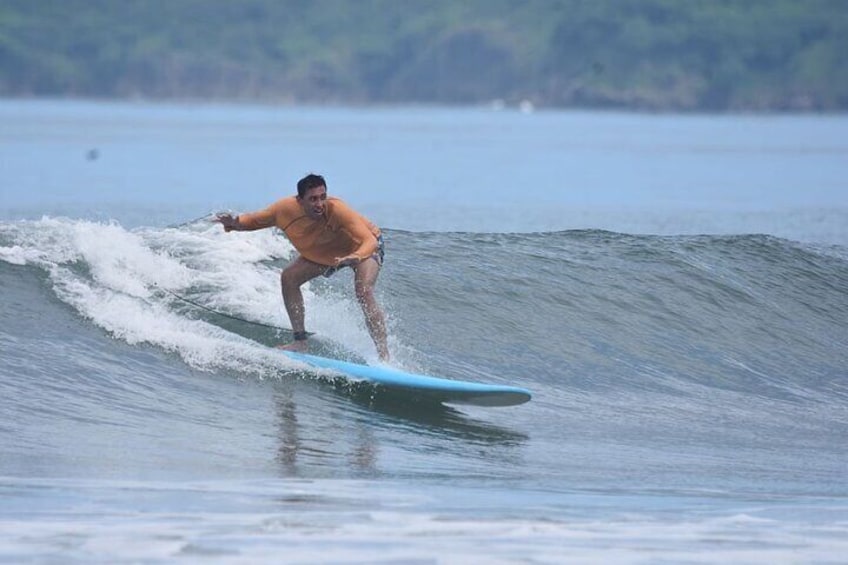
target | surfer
x=329, y=236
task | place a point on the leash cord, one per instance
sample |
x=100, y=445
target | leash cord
x=210, y=310
x=222, y=314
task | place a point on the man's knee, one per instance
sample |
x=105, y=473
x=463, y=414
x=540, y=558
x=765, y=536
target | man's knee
x=289, y=278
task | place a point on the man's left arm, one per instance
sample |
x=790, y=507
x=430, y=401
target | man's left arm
x=359, y=230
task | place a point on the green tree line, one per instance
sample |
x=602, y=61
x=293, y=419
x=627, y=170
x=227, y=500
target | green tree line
x=688, y=55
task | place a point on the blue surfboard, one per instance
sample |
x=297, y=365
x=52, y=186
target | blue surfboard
x=434, y=388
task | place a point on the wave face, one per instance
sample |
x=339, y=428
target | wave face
x=753, y=314
x=685, y=388
x=673, y=345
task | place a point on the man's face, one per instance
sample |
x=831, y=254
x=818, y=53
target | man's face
x=314, y=201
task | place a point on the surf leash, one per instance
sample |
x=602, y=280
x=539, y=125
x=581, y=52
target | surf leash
x=189, y=222
x=224, y=314
x=211, y=310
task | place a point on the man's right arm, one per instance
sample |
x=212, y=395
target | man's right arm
x=229, y=222
x=247, y=222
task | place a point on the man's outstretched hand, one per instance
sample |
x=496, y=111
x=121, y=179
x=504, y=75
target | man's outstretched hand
x=228, y=221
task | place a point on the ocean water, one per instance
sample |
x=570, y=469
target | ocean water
x=673, y=290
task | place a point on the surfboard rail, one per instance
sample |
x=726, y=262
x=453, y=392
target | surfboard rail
x=449, y=391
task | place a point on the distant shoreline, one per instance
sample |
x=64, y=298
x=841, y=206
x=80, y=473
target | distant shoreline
x=648, y=56
x=494, y=106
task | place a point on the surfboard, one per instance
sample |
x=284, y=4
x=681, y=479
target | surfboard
x=438, y=389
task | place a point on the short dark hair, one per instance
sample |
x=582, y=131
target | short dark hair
x=309, y=182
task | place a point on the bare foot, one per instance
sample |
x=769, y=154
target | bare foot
x=298, y=346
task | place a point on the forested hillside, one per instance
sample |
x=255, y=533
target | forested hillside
x=713, y=55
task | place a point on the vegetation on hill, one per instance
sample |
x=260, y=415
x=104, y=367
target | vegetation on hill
x=711, y=55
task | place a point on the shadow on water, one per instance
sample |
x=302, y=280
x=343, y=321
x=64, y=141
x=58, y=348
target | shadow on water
x=402, y=406
x=427, y=413
x=350, y=428
x=408, y=408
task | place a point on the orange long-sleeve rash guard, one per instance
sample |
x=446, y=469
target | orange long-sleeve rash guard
x=340, y=232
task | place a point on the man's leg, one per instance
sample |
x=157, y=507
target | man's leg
x=365, y=277
x=293, y=276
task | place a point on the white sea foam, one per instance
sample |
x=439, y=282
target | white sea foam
x=115, y=278
x=16, y=255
